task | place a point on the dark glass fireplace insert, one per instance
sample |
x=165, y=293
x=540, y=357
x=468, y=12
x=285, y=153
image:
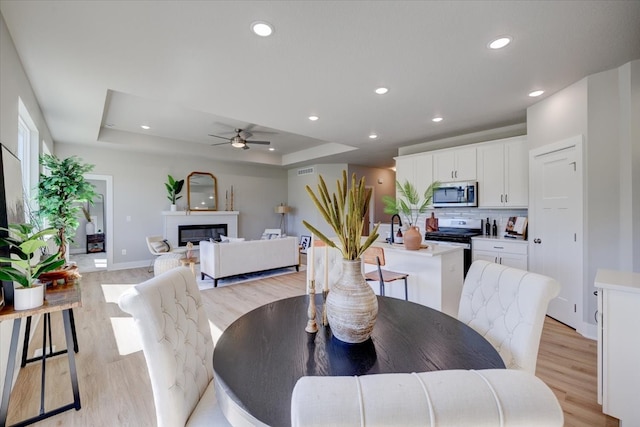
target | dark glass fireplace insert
x=198, y=232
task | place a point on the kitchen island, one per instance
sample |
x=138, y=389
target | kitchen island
x=436, y=273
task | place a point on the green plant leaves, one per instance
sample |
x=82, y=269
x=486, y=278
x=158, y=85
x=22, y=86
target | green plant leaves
x=344, y=211
x=409, y=205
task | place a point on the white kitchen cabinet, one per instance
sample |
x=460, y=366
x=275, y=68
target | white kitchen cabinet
x=513, y=253
x=456, y=164
x=417, y=169
x=619, y=345
x=503, y=174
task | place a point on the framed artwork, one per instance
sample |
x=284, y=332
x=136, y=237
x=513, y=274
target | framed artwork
x=11, y=203
x=305, y=242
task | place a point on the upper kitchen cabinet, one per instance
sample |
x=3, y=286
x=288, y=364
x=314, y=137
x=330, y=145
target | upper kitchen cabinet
x=417, y=169
x=503, y=173
x=457, y=164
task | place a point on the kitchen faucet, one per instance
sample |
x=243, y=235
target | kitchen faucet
x=399, y=225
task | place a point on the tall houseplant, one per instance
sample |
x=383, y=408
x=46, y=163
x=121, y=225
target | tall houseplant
x=352, y=307
x=59, y=192
x=410, y=205
x=174, y=187
x=25, y=269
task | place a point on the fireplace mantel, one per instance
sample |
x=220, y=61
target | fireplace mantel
x=172, y=219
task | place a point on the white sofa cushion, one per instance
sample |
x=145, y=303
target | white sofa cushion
x=494, y=397
x=225, y=260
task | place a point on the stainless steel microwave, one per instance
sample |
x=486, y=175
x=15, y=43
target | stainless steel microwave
x=451, y=194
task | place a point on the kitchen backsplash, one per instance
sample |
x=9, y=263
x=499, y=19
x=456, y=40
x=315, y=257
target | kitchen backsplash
x=500, y=215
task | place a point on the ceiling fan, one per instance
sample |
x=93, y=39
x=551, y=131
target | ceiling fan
x=238, y=141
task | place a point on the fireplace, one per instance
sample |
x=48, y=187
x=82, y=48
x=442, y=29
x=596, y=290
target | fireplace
x=197, y=232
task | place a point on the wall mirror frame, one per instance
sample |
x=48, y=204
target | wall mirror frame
x=202, y=192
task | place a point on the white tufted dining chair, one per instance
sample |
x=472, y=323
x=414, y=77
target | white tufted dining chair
x=507, y=306
x=177, y=345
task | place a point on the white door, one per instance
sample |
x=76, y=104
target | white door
x=556, y=228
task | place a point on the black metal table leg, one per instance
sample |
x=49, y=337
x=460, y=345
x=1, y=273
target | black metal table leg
x=8, y=379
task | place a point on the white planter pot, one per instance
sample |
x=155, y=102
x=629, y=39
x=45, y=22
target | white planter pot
x=173, y=208
x=27, y=298
x=90, y=228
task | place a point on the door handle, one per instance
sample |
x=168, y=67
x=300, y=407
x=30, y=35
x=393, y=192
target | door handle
x=537, y=241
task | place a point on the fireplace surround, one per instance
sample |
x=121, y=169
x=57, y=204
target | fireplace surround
x=172, y=220
x=197, y=232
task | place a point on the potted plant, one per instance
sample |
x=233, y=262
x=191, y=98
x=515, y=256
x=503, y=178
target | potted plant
x=25, y=269
x=410, y=206
x=58, y=194
x=174, y=187
x=352, y=307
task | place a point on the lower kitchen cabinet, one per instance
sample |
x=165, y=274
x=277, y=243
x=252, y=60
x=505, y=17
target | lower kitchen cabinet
x=619, y=345
x=513, y=253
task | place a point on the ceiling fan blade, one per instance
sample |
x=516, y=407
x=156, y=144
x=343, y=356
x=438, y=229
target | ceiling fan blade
x=259, y=142
x=221, y=137
x=246, y=147
x=220, y=143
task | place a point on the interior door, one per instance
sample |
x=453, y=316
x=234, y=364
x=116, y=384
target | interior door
x=556, y=234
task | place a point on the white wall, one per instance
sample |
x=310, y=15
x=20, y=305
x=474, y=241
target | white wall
x=14, y=84
x=383, y=182
x=139, y=193
x=605, y=108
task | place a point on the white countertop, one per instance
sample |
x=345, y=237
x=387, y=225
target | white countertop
x=430, y=251
x=502, y=238
x=625, y=281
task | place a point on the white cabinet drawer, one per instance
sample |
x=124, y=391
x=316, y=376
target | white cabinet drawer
x=500, y=246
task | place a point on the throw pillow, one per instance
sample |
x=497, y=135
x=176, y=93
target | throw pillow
x=231, y=239
x=160, y=246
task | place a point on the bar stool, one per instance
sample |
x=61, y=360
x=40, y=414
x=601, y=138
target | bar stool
x=375, y=256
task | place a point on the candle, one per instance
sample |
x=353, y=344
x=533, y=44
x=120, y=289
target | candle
x=326, y=268
x=310, y=260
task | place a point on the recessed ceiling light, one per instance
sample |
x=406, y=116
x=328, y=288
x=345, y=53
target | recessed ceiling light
x=382, y=90
x=373, y=136
x=437, y=119
x=272, y=149
x=261, y=28
x=145, y=127
x=313, y=118
x=499, y=43
x=536, y=93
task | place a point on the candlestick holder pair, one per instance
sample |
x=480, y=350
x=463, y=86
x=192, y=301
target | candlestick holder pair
x=312, y=326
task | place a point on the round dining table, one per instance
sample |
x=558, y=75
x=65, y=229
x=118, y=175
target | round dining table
x=260, y=357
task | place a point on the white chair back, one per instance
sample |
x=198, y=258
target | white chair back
x=507, y=306
x=176, y=341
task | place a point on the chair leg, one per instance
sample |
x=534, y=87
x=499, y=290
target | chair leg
x=150, y=269
x=406, y=293
x=382, y=288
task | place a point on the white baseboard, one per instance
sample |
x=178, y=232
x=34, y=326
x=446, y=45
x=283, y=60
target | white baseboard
x=588, y=330
x=128, y=265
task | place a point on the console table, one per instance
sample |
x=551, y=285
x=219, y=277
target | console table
x=267, y=350
x=56, y=299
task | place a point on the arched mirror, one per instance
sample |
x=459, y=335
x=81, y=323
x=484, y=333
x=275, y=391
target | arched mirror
x=202, y=191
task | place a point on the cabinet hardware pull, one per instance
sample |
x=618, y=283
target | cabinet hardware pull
x=506, y=198
x=501, y=198
x=498, y=247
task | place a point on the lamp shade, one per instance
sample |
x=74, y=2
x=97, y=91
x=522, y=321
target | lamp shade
x=282, y=209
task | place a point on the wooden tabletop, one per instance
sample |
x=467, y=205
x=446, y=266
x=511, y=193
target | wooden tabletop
x=260, y=356
x=56, y=298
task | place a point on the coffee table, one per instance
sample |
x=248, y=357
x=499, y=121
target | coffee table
x=260, y=356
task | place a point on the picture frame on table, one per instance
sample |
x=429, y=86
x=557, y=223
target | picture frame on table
x=305, y=242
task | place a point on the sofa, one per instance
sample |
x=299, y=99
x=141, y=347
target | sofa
x=220, y=260
x=450, y=398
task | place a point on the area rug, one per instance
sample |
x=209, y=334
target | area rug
x=208, y=283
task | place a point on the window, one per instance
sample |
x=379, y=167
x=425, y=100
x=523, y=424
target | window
x=28, y=150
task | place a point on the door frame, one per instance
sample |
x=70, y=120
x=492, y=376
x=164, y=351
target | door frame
x=108, y=214
x=576, y=141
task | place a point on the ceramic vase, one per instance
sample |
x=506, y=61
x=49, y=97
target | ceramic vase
x=173, y=208
x=412, y=238
x=27, y=298
x=352, y=306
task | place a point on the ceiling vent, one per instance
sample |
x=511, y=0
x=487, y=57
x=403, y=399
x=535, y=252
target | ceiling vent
x=306, y=171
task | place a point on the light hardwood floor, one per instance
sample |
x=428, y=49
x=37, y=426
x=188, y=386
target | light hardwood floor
x=115, y=388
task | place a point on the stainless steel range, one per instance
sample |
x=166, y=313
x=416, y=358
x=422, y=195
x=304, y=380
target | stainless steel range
x=456, y=232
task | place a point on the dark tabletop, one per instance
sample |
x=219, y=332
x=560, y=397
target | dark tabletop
x=261, y=355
